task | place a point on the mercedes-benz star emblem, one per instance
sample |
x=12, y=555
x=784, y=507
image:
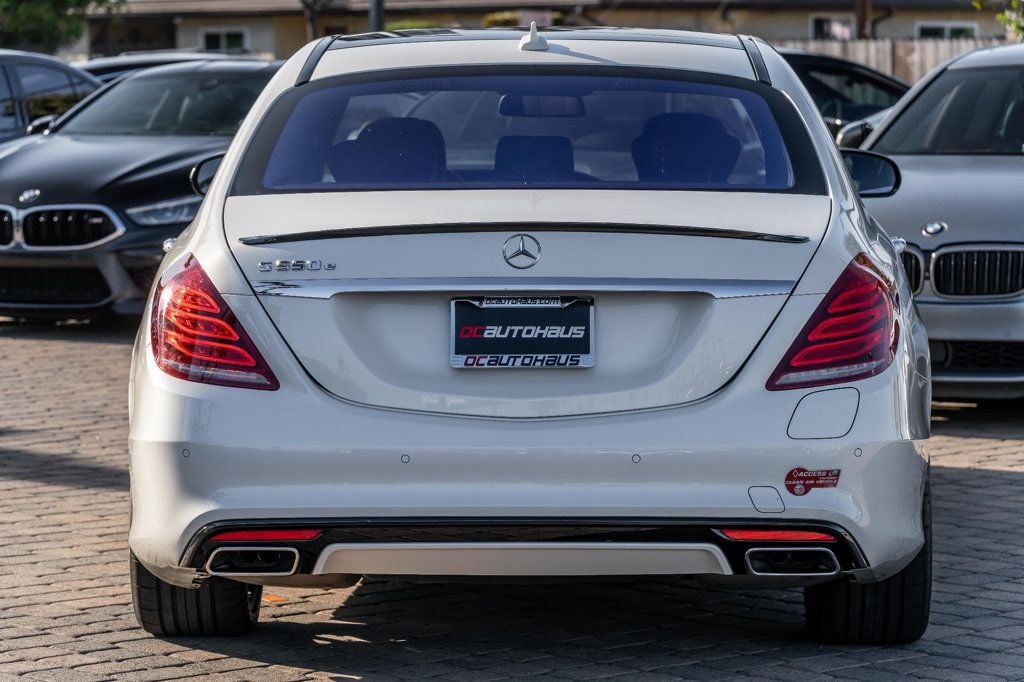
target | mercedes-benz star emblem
x=28, y=196
x=934, y=228
x=521, y=251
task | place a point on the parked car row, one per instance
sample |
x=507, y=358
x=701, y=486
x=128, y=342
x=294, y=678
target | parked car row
x=86, y=207
x=389, y=266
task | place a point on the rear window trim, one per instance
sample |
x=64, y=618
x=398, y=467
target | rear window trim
x=809, y=177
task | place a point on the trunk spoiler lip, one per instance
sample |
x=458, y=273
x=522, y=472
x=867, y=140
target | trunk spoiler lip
x=436, y=228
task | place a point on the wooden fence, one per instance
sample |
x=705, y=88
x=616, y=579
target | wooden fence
x=908, y=59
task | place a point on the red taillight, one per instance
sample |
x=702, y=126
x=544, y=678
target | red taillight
x=852, y=334
x=756, y=535
x=270, y=535
x=196, y=337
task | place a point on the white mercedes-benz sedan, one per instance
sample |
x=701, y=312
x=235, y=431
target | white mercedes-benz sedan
x=515, y=303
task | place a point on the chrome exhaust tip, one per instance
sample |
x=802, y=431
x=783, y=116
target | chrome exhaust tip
x=791, y=561
x=236, y=562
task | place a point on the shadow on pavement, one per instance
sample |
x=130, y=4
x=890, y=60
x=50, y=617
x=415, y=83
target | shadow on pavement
x=50, y=468
x=989, y=419
x=106, y=329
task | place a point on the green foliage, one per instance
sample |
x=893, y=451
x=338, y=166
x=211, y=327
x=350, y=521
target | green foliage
x=511, y=18
x=45, y=25
x=1010, y=14
x=407, y=24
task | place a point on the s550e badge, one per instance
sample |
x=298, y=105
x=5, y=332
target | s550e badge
x=294, y=265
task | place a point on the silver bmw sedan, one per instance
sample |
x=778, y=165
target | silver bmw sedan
x=958, y=138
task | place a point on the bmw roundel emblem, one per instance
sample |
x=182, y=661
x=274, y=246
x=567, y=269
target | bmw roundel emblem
x=28, y=196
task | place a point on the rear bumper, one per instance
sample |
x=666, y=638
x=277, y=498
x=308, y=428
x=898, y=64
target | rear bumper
x=380, y=472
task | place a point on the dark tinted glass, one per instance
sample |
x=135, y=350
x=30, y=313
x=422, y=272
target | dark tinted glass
x=847, y=95
x=180, y=104
x=8, y=111
x=47, y=90
x=963, y=111
x=512, y=131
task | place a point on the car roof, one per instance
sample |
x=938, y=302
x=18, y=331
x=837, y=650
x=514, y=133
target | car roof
x=208, y=67
x=47, y=59
x=554, y=32
x=37, y=56
x=1003, y=55
x=655, y=48
x=135, y=58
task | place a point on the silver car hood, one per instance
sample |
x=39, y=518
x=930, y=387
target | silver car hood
x=978, y=197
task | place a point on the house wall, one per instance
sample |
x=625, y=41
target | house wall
x=261, y=35
x=781, y=24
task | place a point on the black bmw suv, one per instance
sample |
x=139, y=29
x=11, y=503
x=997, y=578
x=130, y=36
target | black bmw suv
x=86, y=207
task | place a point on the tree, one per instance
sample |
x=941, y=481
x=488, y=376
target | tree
x=46, y=25
x=312, y=10
x=1010, y=15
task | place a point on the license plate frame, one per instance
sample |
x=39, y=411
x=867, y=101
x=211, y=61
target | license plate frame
x=556, y=341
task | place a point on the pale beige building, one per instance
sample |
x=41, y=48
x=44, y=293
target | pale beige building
x=278, y=27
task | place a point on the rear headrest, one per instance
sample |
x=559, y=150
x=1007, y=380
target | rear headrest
x=686, y=148
x=534, y=158
x=391, y=151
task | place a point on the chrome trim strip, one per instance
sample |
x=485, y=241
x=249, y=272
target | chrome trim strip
x=523, y=558
x=19, y=215
x=326, y=288
x=228, y=548
x=969, y=247
x=442, y=228
x=750, y=569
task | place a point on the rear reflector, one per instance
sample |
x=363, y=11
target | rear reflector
x=851, y=335
x=757, y=535
x=269, y=535
x=196, y=337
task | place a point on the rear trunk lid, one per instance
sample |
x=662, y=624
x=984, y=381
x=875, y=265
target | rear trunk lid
x=361, y=284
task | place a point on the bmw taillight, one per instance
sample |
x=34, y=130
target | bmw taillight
x=196, y=337
x=852, y=334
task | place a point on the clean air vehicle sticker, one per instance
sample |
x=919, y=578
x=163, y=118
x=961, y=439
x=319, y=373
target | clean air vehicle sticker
x=800, y=481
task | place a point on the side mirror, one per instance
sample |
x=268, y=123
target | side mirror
x=41, y=125
x=873, y=175
x=853, y=134
x=203, y=172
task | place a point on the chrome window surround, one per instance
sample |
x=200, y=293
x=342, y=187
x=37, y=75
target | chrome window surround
x=973, y=246
x=917, y=253
x=19, y=215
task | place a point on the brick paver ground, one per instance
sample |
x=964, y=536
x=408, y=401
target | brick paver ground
x=65, y=610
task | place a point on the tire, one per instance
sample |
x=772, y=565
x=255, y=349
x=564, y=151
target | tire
x=892, y=611
x=219, y=608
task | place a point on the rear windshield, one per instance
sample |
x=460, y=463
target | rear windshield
x=536, y=130
x=963, y=111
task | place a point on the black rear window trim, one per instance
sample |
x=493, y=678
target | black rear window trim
x=809, y=177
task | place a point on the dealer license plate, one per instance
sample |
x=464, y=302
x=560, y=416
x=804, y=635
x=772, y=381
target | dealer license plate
x=522, y=332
